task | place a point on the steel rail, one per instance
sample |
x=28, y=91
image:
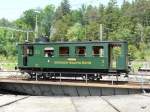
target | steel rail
x=109, y=103
x=14, y=101
x=134, y=74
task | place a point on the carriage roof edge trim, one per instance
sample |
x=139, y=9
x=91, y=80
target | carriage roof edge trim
x=84, y=42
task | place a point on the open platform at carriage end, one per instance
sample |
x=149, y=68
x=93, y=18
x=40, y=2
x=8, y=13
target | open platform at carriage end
x=51, y=88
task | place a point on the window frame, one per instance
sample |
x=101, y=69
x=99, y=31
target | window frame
x=28, y=50
x=100, y=53
x=50, y=50
x=80, y=54
x=64, y=54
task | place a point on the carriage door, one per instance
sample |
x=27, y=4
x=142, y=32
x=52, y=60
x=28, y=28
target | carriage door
x=114, y=52
x=25, y=57
x=27, y=51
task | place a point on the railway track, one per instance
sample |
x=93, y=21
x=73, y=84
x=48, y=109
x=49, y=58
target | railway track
x=109, y=103
x=73, y=87
x=81, y=81
x=145, y=95
x=109, y=82
x=14, y=101
x=130, y=74
x=76, y=80
x=5, y=92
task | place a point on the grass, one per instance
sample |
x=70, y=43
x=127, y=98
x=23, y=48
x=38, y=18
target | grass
x=8, y=63
x=136, y=64
x=147, y=54
x=141, y=61
x=8, y=66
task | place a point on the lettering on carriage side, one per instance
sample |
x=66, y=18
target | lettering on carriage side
x=71, y=59
x=86, y=62
x=73, y=62
x=60, y=62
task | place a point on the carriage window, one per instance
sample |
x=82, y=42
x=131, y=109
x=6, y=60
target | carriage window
x=63, y=51
x=30, y=51
x=98, y=51
x=49, y=52
x=80, y=51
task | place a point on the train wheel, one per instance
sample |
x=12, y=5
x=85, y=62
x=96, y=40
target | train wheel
x=32, y=75
x=45, y=76
x=98, y=79
x=83, y=77
x=92, y=78
x=126, y=75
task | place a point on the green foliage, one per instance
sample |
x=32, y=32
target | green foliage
x=47, y=19
x=65, y=7
x=130, y=22
x=132, y=52
x=28, y=18
x=76, y=32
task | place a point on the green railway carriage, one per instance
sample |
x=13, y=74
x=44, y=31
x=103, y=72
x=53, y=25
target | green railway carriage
x=83, y=57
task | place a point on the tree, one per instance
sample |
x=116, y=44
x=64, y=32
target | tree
x=5, y=22
x=65, y=7
x=129, y=22
x=111, y=17
x=62, y=21
x=62, y=10
x=60, y=28
x=47, y=19
x=76, y=33
x=28, y=18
